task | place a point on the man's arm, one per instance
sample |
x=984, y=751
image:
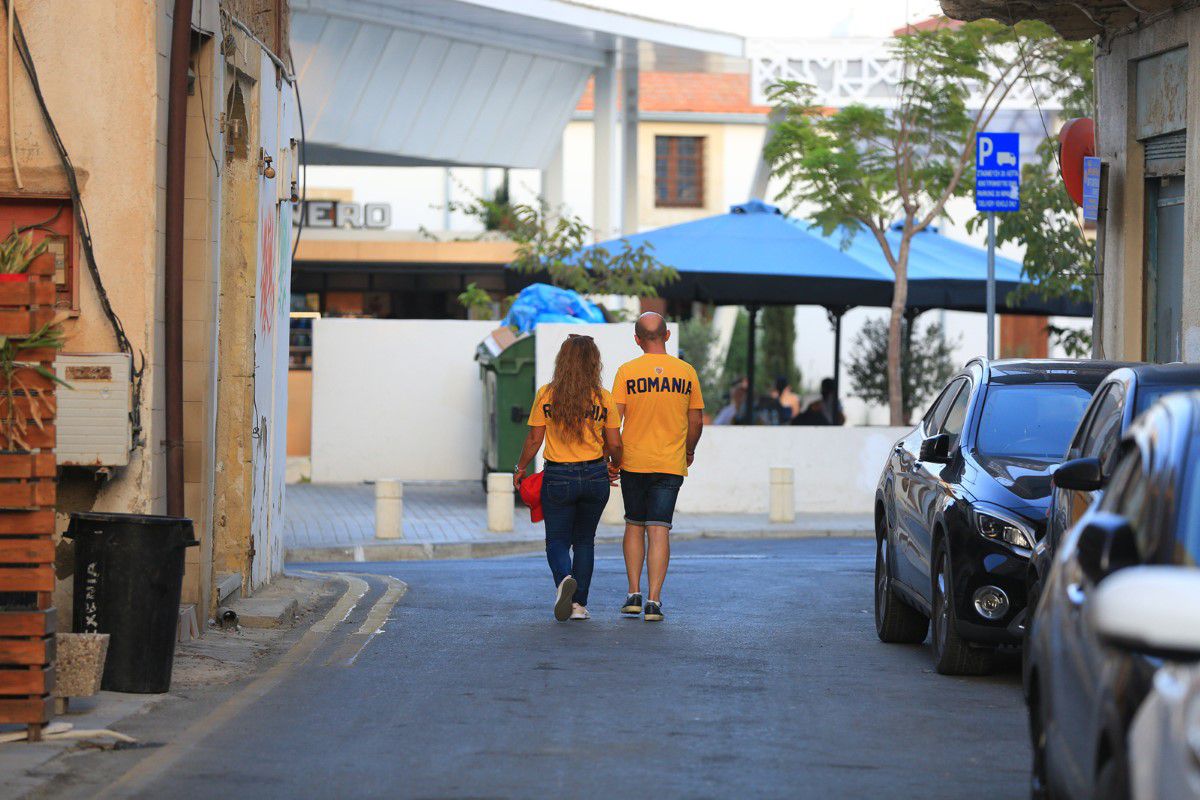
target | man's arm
x=533, y=443
x=695, y=428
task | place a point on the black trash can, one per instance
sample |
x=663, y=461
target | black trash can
x=128, y=578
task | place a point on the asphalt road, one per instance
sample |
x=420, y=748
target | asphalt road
x=766, y=680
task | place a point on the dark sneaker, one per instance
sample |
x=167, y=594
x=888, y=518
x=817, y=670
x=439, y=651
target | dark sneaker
x=653, y=611
x=564, y=599
x=633, y=604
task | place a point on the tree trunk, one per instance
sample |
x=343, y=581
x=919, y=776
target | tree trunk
x=896, y=337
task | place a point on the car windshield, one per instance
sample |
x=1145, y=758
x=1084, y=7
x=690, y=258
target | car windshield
x=1190, y=517
x=1033, y=420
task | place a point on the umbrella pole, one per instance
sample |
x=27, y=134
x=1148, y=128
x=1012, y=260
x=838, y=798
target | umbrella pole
x=750, y=346
x=835, y=313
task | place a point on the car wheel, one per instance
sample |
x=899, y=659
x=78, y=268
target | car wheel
x=896, y=622
x=952, y=655
x=1038, y=784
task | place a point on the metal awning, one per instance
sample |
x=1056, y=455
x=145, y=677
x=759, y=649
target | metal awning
x=457, y=82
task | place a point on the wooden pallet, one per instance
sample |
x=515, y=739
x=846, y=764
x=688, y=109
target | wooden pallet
x=28, y=489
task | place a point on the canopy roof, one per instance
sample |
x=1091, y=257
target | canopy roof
x=756, y=255
x=445, y=82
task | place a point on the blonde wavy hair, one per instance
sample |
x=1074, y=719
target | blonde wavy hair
x=575, y=388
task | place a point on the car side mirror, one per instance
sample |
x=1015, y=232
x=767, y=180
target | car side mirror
x=936, y=449
x=1152, y=610
x=1105, y=545
x=1079, y=474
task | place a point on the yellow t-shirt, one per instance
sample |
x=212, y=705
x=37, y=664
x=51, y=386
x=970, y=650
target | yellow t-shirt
x=562, y=448
x=657, y=391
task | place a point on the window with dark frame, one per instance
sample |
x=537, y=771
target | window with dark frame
x=679, y=171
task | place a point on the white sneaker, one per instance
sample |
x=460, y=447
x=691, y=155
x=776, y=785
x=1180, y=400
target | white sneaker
x=579, y=612
x=564, y=599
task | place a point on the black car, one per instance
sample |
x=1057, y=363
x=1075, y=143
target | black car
x=1123, y=395
x=1083, y=693
x=962, y=502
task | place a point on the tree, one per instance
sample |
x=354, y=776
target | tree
x=865, y=168
x=697, y=341
x=928, y=362
x=779, y=345
x=559, y=245
x=1059, y=258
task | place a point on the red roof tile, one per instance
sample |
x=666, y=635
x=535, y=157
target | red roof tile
x=714, y=93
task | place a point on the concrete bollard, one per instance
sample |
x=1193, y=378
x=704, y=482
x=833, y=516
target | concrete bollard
x=500, y=501
x=783, y=498
x=614, y=510
x=389, y=509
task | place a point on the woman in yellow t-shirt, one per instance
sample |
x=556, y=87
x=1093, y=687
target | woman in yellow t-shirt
x=576, y=418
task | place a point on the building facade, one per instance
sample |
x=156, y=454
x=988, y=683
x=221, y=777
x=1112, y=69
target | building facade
x=1147, y=115
x=96, y=163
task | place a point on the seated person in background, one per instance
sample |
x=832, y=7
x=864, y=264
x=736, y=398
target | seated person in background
x=813, y=413
x=831, y=406
x=789, y=401
x=733, y=413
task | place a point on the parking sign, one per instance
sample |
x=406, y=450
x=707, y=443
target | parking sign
x=1091, y=188
x=997, y=172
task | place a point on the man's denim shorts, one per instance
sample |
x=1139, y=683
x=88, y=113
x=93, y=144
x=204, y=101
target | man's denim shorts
x=650, y=497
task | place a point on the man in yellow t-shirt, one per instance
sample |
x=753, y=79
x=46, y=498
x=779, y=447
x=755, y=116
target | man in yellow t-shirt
x=659, y=398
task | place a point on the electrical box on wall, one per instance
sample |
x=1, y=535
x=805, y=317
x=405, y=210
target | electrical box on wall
x=93, y=415
x=48, y=219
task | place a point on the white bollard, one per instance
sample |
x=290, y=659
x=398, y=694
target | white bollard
x=783, y=498
x=500, y=501
x=389, y=509
x=614, y=510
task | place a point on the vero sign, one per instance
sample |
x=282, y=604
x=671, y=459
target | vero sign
x=997, y=172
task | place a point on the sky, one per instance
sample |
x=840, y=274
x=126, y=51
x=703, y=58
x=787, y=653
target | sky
x=783, y=19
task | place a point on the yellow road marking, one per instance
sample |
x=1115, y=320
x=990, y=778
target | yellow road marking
x=372, y=626
x=151, y=767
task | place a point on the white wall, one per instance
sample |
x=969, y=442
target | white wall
x=396, y=399
x=836, y=468
x=615, y=341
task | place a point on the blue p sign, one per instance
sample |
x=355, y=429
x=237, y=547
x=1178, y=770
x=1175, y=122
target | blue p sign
x=997, y=172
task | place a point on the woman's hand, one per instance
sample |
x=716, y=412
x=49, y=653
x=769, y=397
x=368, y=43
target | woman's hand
x=614, y=472
x=518, y=476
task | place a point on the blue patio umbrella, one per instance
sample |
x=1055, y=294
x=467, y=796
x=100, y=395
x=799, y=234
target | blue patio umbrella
x=755, y=255
x=944, y=273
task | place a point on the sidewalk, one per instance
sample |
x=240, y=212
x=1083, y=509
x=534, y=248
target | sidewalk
x=336, y=522
x=218, y=659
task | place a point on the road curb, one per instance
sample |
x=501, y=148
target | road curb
x=491, y=548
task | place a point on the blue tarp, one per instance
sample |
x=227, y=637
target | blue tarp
x=540, y=302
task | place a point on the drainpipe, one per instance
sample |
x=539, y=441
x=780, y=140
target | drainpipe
x=181, y=46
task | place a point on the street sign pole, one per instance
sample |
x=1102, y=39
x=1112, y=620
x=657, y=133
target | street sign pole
x=991, y=287
x=997, y=188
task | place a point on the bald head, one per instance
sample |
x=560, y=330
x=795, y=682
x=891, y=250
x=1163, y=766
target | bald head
x=651, y=332
x=650, y=327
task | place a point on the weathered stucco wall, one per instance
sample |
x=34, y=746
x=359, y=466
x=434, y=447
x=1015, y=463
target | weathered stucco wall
x=1125, y=251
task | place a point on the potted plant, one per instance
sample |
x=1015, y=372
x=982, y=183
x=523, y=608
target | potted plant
x=17, y=252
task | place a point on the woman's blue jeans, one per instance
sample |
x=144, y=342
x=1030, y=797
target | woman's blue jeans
x=573, y=498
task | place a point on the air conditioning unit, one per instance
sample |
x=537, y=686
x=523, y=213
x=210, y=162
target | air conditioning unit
x=93, y=414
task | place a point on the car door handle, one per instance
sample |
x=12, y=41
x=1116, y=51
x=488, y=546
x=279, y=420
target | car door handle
x=1076, y=595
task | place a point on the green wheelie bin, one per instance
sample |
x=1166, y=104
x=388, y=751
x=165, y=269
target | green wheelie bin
x=508, y=378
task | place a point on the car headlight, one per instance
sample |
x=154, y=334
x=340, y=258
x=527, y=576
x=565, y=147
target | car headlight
x=1001, y=527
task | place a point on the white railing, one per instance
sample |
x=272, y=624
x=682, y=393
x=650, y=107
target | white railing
x=849, y=70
